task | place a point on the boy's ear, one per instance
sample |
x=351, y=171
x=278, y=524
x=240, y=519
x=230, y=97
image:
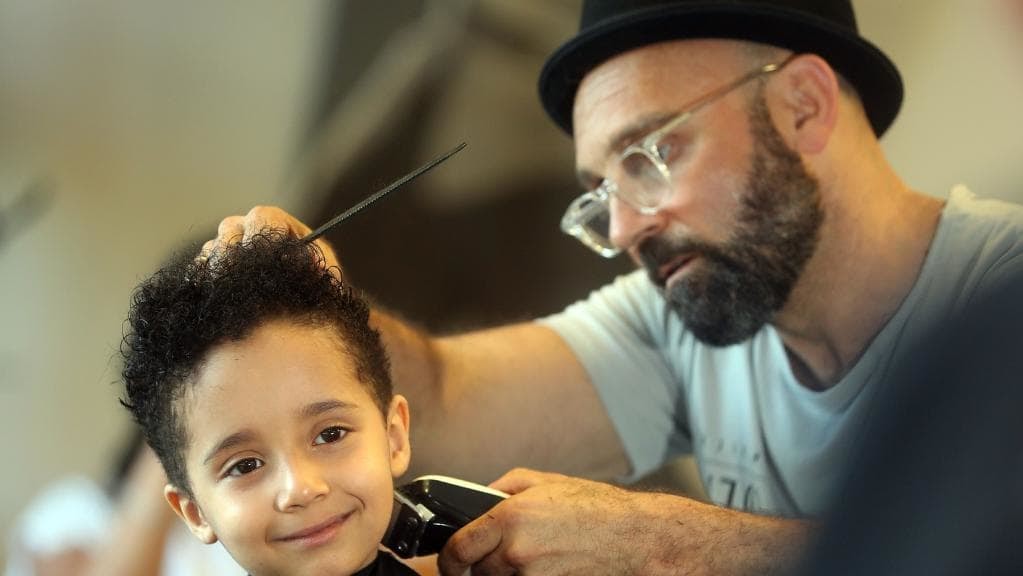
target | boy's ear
x=397, y=435
x=189, y=511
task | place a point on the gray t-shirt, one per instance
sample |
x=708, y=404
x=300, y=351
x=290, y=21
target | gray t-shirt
x=763, y=442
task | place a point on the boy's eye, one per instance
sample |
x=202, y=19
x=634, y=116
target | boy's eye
x=243, y=467
x=330, y=435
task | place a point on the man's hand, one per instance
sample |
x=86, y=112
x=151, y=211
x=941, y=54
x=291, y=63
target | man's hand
x=234, y=229
x=554, y=524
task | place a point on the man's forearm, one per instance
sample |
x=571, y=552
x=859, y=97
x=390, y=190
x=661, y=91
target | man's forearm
x=415, y=365
x=520, y=381
x=417, y=373
x=707, y=539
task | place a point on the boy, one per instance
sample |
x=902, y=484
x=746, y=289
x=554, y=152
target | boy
x=273, y=443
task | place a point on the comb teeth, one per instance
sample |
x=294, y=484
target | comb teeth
x=381, y=193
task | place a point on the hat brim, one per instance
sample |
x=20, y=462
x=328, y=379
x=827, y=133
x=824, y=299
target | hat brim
x=874, y=76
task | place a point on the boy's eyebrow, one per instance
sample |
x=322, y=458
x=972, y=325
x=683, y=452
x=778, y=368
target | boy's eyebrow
x=324, y=406
x=229, y=442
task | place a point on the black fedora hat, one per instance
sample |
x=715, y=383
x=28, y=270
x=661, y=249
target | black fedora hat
x=823, y=27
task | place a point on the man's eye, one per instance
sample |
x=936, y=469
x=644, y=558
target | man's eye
x=243, y=467
x=664, y=151
x=638, y=166
x=673, y=147
x=330, y=435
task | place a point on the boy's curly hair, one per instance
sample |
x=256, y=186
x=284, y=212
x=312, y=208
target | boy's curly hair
x=182, y=312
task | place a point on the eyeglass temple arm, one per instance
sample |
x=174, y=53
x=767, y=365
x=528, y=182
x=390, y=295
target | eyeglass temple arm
x=711, y=96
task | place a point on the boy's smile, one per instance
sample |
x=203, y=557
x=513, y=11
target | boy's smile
x=290, y=459
x=318, y=534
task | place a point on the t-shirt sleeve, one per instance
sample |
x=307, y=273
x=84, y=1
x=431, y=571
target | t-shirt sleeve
x=620, y=334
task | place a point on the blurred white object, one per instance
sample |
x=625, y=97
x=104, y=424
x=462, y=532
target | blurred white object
x=75, y=513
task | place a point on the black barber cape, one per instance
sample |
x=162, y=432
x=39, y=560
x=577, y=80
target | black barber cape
x=386, y=565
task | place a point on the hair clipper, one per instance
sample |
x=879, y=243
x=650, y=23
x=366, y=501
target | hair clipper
x=428, y=510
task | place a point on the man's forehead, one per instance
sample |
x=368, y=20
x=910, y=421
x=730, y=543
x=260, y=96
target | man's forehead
x=670, y=71
x=632, y=93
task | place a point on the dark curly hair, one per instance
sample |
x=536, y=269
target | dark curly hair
x=186, y=309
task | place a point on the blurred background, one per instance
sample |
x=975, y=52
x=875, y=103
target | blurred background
x=128, y=129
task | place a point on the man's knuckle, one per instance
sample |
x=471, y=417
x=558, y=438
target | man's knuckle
x=459, y=550
x=514, y=514
x=516, y=555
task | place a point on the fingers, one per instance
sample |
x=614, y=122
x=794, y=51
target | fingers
x=207, y=249
x=469, y=546
x=231, y=229
x=266, y=217
x=519, y=479
x=234, y=229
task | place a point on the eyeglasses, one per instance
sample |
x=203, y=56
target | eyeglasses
x=645, y=178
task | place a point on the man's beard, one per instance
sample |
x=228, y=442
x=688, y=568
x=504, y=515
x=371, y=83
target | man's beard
x=735, y=288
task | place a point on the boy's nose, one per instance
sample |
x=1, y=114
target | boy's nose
x=302, y=483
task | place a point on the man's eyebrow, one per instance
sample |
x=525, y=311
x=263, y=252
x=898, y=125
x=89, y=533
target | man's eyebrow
x=638, y=129
x=230, y=442
x=324, y=406
x=623, y=138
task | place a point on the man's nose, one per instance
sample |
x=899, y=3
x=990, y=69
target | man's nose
x=628, y=226
x=302, y=482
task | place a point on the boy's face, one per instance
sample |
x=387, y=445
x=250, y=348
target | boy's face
x=290, y=460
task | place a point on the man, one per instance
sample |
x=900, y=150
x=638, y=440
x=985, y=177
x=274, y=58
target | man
x=731, y=149
x=931, y=488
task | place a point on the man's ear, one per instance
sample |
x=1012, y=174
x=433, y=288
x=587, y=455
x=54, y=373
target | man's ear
x=398, y=435
x=806, y=103
x=187, y=508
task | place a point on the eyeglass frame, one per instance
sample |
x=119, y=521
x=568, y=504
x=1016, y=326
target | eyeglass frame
x=573, y=222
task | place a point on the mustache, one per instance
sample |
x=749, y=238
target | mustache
x=656, y=251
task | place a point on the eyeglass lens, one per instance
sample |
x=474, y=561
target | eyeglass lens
x=645, y=182
x=589, y=221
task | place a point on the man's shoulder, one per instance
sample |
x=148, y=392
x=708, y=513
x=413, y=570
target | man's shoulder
x=983, y=230
x=966, y=208
x=979, y=244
